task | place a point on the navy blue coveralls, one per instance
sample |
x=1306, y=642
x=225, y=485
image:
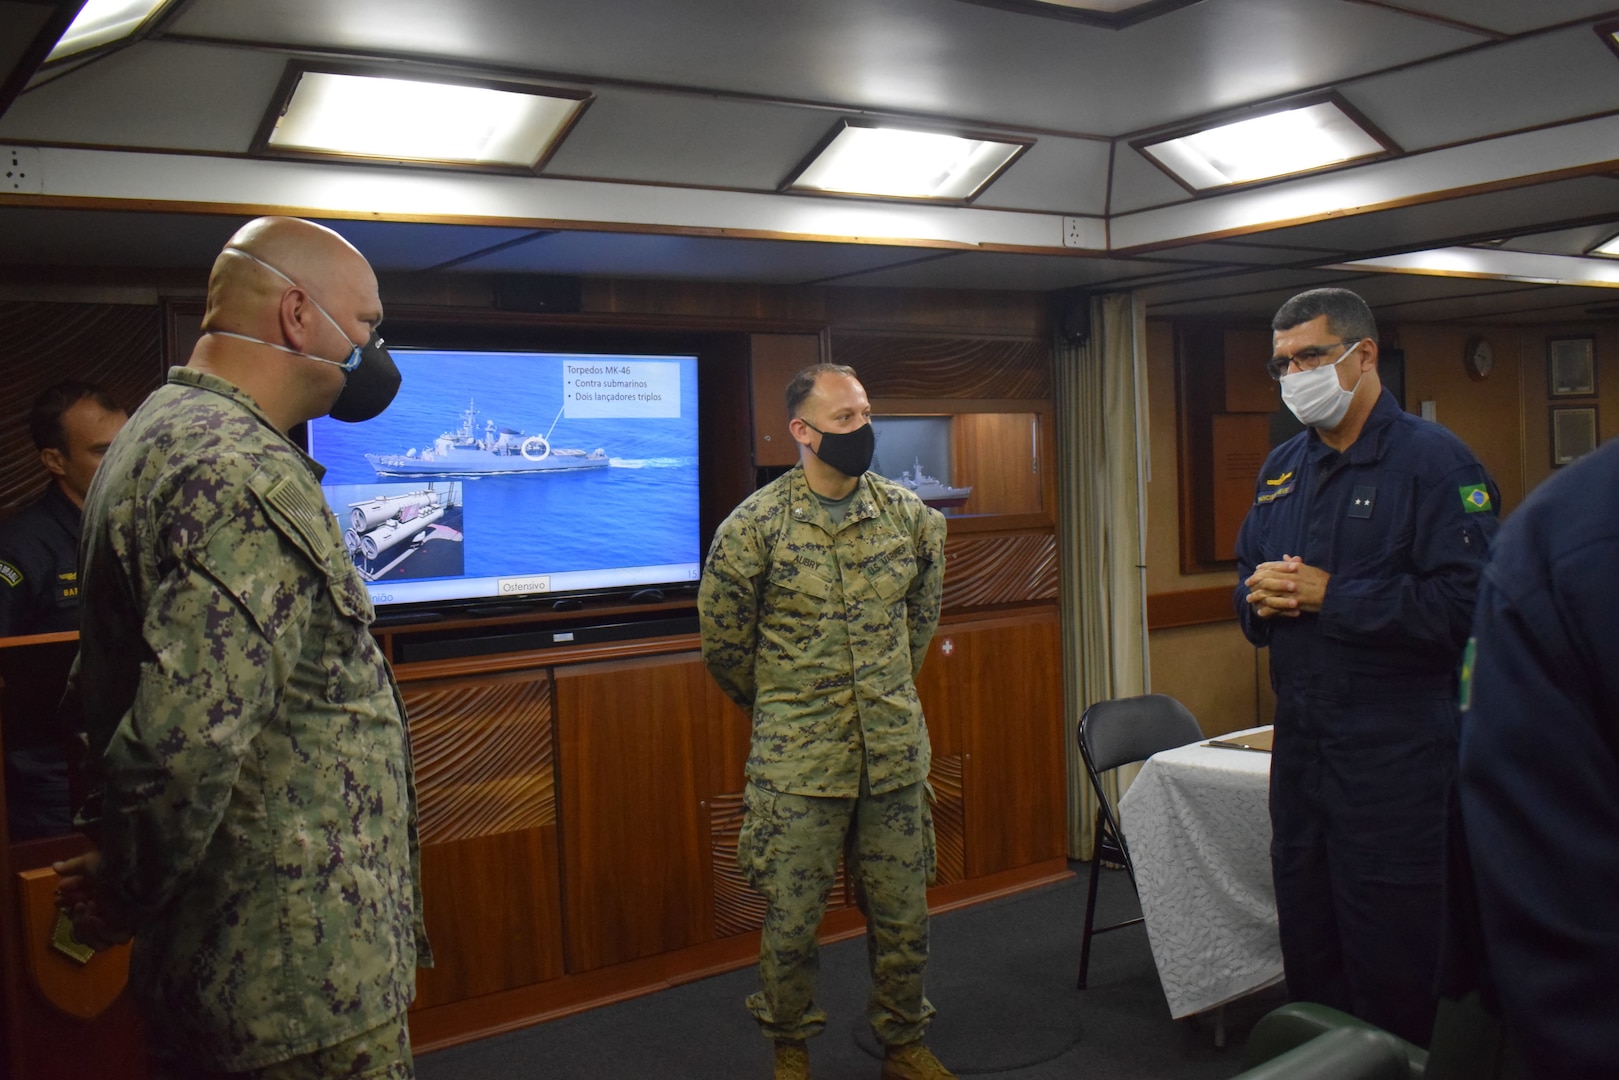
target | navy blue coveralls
x=1539, y=777
x=39, y=594
x=1366, y=712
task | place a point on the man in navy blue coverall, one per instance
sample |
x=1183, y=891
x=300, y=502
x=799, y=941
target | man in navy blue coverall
x=1359, y=563
x=1539, y=780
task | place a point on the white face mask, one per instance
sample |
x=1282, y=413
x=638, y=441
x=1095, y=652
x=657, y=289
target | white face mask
x=1315, y=396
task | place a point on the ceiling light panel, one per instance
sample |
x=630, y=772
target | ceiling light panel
x=900, y=163
x=1609, y=248
x=102, y=22
x=1283, y=143
x=391, y=118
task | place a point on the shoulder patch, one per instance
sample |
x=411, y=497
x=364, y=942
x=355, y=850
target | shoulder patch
x=1469, y=663
x=1475, y=498
x=1280, y=480
x=307, y=517
x=10, y=574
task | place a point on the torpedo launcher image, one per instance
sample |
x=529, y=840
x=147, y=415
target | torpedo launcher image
x=384, y=522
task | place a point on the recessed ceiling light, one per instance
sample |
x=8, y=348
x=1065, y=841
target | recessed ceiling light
x=863, y=158
x=1282, y=143
x=1609, y=247
x=324, y=112
x=102, y=22
x=1497, y=264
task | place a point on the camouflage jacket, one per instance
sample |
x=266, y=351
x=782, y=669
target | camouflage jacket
x=820, y=629
x=255, y=805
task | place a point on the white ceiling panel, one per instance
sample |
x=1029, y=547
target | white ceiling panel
x=1408, y=228
x=1138, y=183
x=1565, y=241
x=1509, y=16
x=1481, y=93
x=936, y=57
x=971, y=270
x=171, y=97
x=1067, y=175
x=689, y=139
x=686, y=258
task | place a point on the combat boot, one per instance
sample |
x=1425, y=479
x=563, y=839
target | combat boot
x=913, y=1061
x=792, y=1060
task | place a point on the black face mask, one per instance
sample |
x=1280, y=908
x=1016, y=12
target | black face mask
x=849, y=452
x=369, y=388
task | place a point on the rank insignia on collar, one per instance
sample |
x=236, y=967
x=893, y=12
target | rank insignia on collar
x=1475, y=498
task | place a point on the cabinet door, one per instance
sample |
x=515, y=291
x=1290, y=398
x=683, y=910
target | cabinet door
x=632, y=747
x=992, y=691
x=486, y=792
x=776, y=359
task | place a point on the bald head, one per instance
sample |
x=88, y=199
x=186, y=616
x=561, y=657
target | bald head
x=300, y=289
x=311, y=255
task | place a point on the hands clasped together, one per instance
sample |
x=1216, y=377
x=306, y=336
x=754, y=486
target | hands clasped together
x=1286, y=588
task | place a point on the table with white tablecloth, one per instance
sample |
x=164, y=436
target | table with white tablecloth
x=1197, y=822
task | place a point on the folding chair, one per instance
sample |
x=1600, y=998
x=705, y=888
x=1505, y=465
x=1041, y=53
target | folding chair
x=1114, y=733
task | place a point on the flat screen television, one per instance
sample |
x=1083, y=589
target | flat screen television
x=498, y=478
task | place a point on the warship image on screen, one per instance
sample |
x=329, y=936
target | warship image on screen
x=502, y=476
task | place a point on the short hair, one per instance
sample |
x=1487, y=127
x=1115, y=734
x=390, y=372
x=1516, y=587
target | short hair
x=1347, y=314
x=804, y=383
x=45, y=418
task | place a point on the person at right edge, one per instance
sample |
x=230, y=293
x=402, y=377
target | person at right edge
x=818, y=600
x=1359, y=564
x=1539, y=780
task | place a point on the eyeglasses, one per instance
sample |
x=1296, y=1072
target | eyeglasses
x=1309, y=358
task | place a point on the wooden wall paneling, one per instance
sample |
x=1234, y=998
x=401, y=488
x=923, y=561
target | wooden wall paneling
x=114, y=345
x=776, y=359
x=982, y=571
x=904, y=366
x=486, y=790
x=1248, y=386
x=493, y=909
x=1239, y=445
x=730, y=737
x=998, y=455
x=631, y=738
x=1004, y=677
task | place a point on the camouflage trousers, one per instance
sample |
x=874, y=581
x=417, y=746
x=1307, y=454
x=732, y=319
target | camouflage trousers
x=382, y=1053
x=788, y=851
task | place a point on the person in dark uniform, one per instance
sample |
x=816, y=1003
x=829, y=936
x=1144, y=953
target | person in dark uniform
x=1359, y=564
x=72, y=424
x=1539, y=774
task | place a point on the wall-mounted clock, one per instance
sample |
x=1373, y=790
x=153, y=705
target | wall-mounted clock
x=1478, y=358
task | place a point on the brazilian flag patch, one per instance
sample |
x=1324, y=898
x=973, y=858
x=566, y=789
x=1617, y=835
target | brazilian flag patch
x=1475, y=498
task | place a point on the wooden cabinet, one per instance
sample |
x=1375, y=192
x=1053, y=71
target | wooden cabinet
x=776, y=358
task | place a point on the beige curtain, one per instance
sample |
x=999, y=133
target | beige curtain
x=1101, y=475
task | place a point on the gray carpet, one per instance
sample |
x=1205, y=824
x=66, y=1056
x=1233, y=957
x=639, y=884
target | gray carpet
x=1001, y=975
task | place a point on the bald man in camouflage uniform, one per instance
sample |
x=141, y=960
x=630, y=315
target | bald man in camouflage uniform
x=257, y=818
x=818, y=600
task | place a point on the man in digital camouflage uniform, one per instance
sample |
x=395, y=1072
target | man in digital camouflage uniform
x=255, y=812
x=818, y=600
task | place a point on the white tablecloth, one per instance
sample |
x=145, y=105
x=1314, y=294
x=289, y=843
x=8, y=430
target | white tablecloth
x=1197, y=822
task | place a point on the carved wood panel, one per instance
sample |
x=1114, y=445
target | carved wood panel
x=902, y=366
x=983, y=570
x=483, y=754
x=949, y=818
x=737, y=908
x=116, y=346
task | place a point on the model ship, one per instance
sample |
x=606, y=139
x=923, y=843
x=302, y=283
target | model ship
x=498, y=452
x=932, y=491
